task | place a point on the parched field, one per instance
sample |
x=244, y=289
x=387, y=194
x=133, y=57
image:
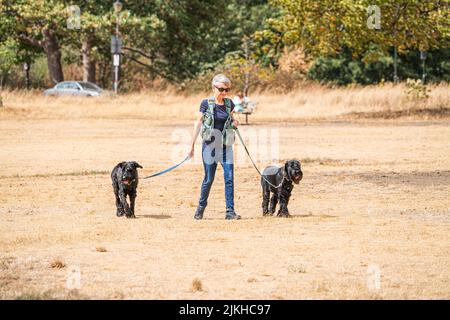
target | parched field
x=371, y=218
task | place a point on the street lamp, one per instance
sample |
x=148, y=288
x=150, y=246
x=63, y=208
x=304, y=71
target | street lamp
x=117, y=8
x=26, y=68
x=395, y=65
x=116, y=46
x=423, y=57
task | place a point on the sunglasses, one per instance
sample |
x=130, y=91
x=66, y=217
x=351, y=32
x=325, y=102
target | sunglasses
x=223, y=89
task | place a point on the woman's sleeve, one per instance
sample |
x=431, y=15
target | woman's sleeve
x=232, y=105
x=203, y=106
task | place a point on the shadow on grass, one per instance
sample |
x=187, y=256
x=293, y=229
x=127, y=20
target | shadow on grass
x=153, y=216
x=326, y=216
x=292, y=216
x=421, y=113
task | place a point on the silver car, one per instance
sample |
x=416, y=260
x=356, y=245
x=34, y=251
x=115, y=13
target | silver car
x=77, y=88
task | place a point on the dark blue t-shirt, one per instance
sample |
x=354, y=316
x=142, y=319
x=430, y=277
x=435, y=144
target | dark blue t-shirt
x=220, y=113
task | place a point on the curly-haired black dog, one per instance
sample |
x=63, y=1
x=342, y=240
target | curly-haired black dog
x=281, y=178
x=125, y=181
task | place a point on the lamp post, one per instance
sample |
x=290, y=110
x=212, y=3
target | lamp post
x=423, y=57
x=116, y=46
x=26, y=68
x=395, y=65
x=117, y=8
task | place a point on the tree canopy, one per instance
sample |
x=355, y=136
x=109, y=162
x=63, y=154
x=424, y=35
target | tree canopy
x=184, y=39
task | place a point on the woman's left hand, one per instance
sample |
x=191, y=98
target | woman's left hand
x=235, y=123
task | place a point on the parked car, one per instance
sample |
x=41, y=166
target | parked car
x=77, y=88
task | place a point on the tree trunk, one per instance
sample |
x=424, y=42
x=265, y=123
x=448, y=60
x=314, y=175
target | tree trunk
x=1, y=86
x=395, y=66
x=53, y=52
x=247, y=67
x=88, y=60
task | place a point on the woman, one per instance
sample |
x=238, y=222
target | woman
x=223, y=115
x=238, y=101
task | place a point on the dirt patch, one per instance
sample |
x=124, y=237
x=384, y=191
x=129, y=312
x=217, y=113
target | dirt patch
x=425, y=179
x=328, y=161
x=415, y=113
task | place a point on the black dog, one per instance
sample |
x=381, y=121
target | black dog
x=281, y=178
x=125, y=181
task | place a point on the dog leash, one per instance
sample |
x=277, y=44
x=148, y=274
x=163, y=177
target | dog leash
x=246, y=150
x=168, y=169
x=253, y=162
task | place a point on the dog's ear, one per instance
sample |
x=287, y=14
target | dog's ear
x=286, y=165
x=121, y=164
x=136, y=165
x=286, y=168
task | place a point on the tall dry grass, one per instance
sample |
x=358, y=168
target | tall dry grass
x=323, y=102
x=309, y=102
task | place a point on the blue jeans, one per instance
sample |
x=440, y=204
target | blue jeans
x=210, y=165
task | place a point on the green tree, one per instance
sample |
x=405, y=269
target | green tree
x=325, y=27
x=175, y=40
x=197, y=35
x=412, y=24
x=239, y=57
x=98, y=23
x=39, y=24
x=8, y=58
x=344, y=68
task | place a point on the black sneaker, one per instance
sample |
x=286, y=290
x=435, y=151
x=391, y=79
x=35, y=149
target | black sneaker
x=199, y=213
x=231, y=215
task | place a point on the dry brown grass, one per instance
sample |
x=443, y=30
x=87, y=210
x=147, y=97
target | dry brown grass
x=310, y=102
x=374, y=193
x=322, y=102
x=57, y=263
x=197, y=285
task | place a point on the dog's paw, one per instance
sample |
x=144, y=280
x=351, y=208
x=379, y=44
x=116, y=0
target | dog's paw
x=283, y=214
x=120, y=213
x=131, y=216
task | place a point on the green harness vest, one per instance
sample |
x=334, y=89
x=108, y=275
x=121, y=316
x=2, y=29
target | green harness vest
x=208, y=123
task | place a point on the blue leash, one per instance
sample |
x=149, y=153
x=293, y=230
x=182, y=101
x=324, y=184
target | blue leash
x=168, y=169
x=246, y=150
